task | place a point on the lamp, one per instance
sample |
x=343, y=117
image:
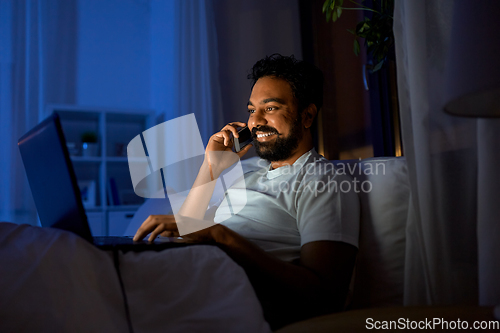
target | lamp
x=473, y=72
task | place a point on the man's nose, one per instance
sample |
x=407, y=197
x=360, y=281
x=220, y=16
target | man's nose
x=257, y=119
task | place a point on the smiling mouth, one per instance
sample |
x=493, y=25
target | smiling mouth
x=264, y=135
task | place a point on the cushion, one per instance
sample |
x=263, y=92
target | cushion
x=384, y=191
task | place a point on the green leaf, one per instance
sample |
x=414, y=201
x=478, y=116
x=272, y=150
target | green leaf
x=363, y=26
x=378, y=66
x=356, y=47
x=376, y=31
x=325, y=5
x=334, y=17
x=328, y=14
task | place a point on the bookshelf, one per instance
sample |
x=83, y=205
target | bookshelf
x=102, y=172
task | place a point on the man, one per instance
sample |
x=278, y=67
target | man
x=297, y=244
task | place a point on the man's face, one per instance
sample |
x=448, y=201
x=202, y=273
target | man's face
x=274, y=119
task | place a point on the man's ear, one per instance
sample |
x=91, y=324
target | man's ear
x=308, y=115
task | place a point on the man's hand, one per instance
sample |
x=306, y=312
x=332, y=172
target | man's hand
x=219, y=153
x=222, y=141
x=166, y=226
x=157, y=225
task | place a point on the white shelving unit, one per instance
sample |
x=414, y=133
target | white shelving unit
x=114, y=129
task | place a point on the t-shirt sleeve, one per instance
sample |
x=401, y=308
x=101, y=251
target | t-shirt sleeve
x=328, y=209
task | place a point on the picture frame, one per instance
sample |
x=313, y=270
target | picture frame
x=88, y=193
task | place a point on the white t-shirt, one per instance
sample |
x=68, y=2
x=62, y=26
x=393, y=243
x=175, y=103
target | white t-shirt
x=290, y=206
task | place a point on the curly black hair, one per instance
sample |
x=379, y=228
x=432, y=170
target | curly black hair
x=305, y=79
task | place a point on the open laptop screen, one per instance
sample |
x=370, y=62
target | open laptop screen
x=52, y=178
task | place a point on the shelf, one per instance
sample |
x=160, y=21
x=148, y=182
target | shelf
x=86, y=159
x=105, y=176
x=122, y=208
x=98, y=209
x=116, y=159
x=96, y=159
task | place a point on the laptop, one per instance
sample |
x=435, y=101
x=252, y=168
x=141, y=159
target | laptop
x=55, y=190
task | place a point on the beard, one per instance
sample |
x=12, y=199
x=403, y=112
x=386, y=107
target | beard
x=280, y=148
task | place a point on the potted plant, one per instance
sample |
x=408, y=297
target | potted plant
x=377, y=30
x=89, y=144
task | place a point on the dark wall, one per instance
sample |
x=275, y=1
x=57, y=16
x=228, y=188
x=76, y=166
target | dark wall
x=247, y=31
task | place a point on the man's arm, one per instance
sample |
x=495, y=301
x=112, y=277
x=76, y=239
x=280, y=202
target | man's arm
x=218, y=157
x=316, y=285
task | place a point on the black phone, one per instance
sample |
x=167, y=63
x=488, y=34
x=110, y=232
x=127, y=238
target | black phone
x=245, y=137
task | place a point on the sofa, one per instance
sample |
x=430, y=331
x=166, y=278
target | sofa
x=376, y=298
x=53, y=281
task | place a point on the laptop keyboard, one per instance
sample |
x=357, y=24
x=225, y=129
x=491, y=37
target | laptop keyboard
x=115, y=240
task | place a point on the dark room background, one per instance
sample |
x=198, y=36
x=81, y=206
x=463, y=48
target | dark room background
x=171, y=58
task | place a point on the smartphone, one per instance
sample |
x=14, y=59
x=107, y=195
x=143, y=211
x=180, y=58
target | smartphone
x=245, y=137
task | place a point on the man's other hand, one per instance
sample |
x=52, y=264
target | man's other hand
x=157, y=225
x=166, y=226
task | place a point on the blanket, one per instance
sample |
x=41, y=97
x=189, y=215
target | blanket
x=55, y=281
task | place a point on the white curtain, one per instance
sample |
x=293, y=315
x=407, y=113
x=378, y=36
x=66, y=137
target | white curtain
x=453, y=248
x=36, y=67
